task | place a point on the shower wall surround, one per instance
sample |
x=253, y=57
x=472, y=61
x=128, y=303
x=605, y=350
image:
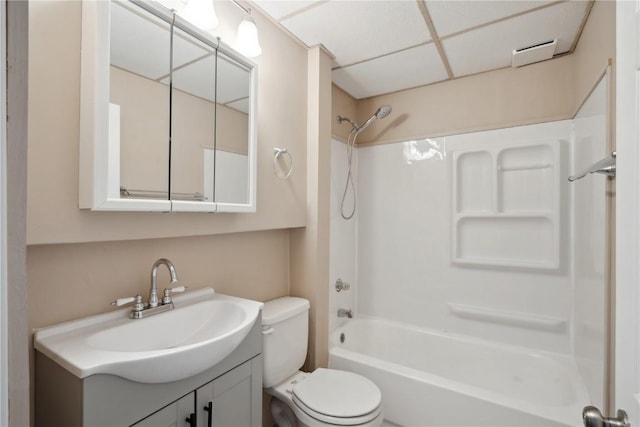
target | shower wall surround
x=482, y=235
x=467, y=234
x=448, y=241
x=589, y=236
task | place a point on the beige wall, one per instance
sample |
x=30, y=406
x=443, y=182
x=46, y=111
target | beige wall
x=53, y=214
x=342, y=104
x=597, y=44
x=310, y=245
x=78, y=261
x=502, y=98
x=70, y=281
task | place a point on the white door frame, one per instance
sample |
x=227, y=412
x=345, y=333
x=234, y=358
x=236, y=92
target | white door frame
x=627, y=295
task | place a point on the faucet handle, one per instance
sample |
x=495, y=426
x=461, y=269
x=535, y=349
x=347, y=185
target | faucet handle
x=166, y=299
x=343, y=312
x=342, y=285
x=138, y=306
x=122, y=301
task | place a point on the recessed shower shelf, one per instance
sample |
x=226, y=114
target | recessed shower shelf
x=506, y=205
x=523, y=214
x=509, y=318
x=507, y=263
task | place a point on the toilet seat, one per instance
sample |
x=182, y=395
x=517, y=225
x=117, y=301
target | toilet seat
x=338, y=397
x=339, y=421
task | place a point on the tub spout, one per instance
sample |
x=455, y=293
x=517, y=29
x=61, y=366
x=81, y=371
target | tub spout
x=342, y=312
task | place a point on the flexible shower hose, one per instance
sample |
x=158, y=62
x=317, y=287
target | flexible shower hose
x=351, y=141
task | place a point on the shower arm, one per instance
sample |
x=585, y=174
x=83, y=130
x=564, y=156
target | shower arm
x=346, y=119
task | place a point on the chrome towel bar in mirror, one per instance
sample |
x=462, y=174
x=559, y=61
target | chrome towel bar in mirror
x=606, y=166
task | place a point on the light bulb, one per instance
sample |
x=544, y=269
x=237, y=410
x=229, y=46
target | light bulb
x=247, y=42
x=201, y=14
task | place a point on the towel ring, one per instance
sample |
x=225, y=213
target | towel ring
x=277, y=153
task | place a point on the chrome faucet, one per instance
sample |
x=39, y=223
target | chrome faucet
x=153, y=292
x=343, y=312
x=154, y=306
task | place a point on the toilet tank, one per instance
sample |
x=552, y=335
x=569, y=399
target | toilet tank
x=285, y=331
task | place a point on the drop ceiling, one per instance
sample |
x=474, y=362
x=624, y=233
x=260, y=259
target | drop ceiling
x=383, y=46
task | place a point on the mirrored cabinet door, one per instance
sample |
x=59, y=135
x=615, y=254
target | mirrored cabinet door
x=139, y=91
x=232, y=148
x=193, y=120
x=168, y=114
x=124, y=107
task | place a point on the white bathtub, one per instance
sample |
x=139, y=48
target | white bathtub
x=435, y=379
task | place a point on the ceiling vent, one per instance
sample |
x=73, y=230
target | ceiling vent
x=535, y=53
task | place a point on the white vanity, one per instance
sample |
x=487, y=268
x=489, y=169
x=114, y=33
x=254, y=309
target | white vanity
x=199, y=364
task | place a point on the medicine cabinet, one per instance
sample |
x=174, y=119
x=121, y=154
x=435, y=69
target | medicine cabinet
x=168, y=114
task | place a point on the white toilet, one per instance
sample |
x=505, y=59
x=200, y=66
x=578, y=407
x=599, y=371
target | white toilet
x=325, y=397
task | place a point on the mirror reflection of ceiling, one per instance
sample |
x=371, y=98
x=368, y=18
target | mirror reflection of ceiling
x=383, y=46
x=140, y=44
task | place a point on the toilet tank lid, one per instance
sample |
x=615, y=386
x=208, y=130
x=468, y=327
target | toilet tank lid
x=280, y=309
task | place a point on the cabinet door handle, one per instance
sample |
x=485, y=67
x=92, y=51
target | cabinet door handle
x=209, y=409
x=191, y=420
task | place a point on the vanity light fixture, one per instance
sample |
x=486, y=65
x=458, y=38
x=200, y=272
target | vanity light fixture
x=201, y=14
x=247, y=41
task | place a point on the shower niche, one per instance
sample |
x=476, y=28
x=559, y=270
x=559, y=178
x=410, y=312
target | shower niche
x=506, y=205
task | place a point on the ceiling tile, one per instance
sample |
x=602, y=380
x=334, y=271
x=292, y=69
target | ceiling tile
x=490, y=47
x=187, y=49
x=234, y=81
x=139, y=42
x=357, y=30
x=390, y=73
x=453, y=16
x=281, y=8
x=197, y=78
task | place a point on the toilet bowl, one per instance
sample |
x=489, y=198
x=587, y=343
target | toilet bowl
x=325, y=397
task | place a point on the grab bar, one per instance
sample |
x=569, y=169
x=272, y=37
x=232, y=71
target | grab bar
x=606, y=166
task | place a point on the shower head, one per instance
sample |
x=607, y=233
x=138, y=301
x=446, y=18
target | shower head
x=383, y=111
x=380, y=113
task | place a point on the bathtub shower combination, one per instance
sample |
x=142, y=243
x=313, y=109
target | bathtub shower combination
x=477, y=273
x=435, y=379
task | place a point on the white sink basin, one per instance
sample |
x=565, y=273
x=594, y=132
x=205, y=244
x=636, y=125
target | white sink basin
x=202, y=329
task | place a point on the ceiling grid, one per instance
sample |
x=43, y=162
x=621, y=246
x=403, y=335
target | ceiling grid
x=434, y=35
x=383, y=46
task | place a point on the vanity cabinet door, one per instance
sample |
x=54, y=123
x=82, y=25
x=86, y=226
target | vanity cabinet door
x=226, y=401
x=174, y=415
